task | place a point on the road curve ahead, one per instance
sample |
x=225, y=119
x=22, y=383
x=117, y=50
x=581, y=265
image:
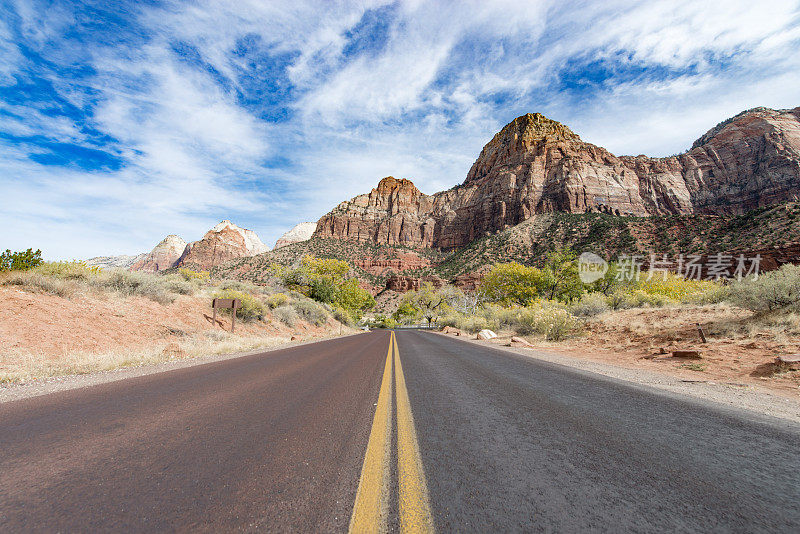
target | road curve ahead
x=406, y=432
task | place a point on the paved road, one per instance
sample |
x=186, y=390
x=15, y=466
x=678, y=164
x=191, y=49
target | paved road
x=420, y=432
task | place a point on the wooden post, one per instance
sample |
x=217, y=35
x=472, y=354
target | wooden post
x=226, y=303
x=702, y=334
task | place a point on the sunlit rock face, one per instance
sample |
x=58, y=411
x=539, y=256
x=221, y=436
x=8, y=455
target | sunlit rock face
x=224, y=242
x=537, y=165
x=301, y=232
x=165, y=255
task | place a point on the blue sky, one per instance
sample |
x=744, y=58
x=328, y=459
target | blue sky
x=121, y=122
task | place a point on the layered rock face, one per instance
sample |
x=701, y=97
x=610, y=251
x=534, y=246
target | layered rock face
x=165, y=255
x=224, y=242
x=401, y=283
x=536, y=165
x=298, y=234
x=395, y=213
x=380, y=265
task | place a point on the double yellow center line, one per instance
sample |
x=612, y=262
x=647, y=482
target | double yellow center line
x=370, y=512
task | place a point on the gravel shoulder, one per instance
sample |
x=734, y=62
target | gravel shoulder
x=45, y=386
x=729, y=394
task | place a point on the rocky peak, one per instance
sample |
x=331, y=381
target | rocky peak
x=224, y=242
x=394, y=195
x=301, y=232
x=165, y=255
x=743, y=117
x=533, y=127
x=251, y=241
x=525, y=135
x=390, y=184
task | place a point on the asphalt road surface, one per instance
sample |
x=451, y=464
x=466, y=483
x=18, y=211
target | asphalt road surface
x=405, y=432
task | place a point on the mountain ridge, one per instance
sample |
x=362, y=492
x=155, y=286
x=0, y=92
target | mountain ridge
x=535, y=165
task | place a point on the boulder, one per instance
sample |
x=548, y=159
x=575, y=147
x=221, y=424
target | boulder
x=521, y=341
x=486, y=334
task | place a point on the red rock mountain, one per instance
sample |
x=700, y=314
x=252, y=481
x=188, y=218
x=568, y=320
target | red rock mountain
x=536, y=165
x=164, y=256
x=224, y=242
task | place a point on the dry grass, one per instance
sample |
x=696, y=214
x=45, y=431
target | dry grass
x=18, y=366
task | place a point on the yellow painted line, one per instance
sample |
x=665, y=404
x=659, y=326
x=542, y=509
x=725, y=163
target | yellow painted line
x=372, y=499
x=415, y=508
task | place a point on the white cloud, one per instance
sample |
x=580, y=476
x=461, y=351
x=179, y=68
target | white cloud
x=420, y=107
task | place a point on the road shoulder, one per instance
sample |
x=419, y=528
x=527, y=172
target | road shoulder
x=730, y=395
x=45, y=386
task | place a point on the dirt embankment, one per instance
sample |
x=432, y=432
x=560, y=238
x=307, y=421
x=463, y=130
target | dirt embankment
x=46, y=335
x=740, y=348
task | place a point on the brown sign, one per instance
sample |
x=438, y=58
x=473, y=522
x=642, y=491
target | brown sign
x=234, y=304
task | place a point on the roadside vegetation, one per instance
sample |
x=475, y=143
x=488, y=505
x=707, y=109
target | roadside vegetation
x=552, y=303
x=319, y=296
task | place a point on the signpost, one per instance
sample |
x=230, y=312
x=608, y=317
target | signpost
x=234, y=304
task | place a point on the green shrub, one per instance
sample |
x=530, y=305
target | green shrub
x=591, y=304
x=553, y=322
x=322, y=289
x=190, y=275
x=68, y=270
x=286, y=315
x=179, y=286
x=33, y=281
x=512, y=283
x=276, y=299
x=311, y=311
x=451, y=319
x=776, y=290
x=251, y=307
x=133, y=283
x=383, y=321
x=616, y=300
x=642, y=299
x=343, y=316
x=20, y=261
x=476, y=323
x=236, y=285
x=498, y=316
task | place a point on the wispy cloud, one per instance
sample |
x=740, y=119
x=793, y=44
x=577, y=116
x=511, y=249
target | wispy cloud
x=122, y=122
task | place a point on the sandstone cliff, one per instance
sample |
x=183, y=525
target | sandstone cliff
x=536, y=165
x=301, y=232
x=165, y=255
x=224, y=242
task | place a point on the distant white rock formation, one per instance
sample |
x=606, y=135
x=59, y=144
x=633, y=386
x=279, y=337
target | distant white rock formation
x=115, y=262
x=301, y=232
x=224, y=242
